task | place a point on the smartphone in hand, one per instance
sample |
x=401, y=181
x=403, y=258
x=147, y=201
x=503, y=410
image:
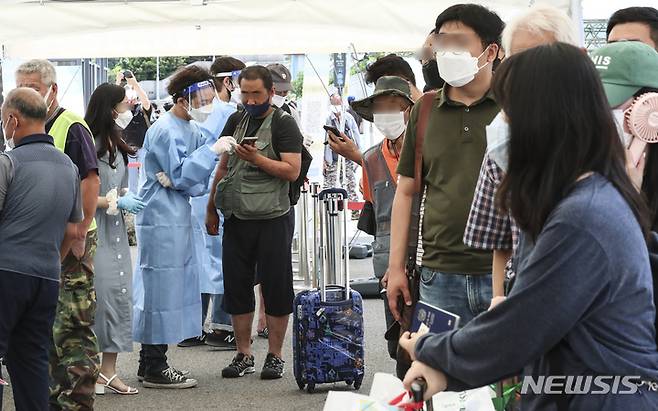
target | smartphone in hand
x=334, y=131
x=249, y=141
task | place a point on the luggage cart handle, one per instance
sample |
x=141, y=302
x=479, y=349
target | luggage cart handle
x=328, y=191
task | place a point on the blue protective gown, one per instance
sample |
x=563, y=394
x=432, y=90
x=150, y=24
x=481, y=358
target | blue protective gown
x=166, y=296
x=209, y=248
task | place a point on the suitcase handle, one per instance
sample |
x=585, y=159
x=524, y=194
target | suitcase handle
x=336, y=190
x=336, y=303
x=333, y=256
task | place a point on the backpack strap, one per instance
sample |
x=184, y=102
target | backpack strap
x=426, y=104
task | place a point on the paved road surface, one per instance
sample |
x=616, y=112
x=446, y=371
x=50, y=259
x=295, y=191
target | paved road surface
x=247, y=393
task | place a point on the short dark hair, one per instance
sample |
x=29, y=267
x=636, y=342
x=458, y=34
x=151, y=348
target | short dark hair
x=256, y=73
x=27, y=104
x=486, y=23
x=185, y=77
x=646, y=15
x=225, y=64
x=390, y=65
x=561, y=127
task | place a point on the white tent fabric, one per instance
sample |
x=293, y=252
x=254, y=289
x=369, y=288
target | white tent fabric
x=124, y=28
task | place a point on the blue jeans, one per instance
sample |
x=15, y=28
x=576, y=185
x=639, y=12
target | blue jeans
x=220, y=319
x=27, y=314
x=461, y=294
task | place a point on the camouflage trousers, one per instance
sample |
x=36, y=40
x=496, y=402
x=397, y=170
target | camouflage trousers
x=74, y=361
x=333, y=179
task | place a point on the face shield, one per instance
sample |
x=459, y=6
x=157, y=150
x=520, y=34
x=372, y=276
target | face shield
x=234, y=88
x=200, y=98
x=233, y=75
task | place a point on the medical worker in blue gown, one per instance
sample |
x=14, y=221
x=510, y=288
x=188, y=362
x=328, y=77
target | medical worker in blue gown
x=225, y=71
x=178, y=161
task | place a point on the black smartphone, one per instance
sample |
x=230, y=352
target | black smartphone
x=248, y=141
x=333, y=130
x=128, y=74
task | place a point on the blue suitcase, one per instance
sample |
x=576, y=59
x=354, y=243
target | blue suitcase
x=328, y=322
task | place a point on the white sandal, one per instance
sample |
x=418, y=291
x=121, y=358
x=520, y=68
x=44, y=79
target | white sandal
x=100, y=388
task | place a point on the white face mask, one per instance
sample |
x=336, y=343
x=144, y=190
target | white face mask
x=50, y=89
x=236, y=96
x=498, y=140
x=123, y=119
x=201, y=114
x=625, y=136
x=458, y=67
x=336, y=109
x=391, y=125
x=9, y=142
x=278, y=101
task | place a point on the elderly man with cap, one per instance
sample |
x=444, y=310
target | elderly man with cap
x=388, y=107
x=282, y=86
x=39, y=195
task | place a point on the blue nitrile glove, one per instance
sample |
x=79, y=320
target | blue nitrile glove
x=131, y=203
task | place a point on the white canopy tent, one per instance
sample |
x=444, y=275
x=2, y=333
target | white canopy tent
x=128, y=28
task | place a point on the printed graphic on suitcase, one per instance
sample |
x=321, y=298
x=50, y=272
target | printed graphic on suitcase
x=328, y=338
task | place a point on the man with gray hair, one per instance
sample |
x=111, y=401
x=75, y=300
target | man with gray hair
x=74, y=362
x=487, y=228
x=39, y=195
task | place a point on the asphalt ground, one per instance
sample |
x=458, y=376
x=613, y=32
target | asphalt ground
x=249, y=392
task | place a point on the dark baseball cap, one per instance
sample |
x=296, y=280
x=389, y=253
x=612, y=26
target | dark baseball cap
x=280, y=76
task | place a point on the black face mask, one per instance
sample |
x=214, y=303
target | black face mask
x=431, y=75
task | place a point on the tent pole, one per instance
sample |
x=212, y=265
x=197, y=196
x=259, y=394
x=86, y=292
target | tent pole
x=576, y=12
x=157, y=78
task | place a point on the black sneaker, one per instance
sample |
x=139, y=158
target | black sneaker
x=264, y=333
x=273, y=368
x=222, y=339
x=240, y=366
x=141, y=372
x=169, y=378
x=194, y=341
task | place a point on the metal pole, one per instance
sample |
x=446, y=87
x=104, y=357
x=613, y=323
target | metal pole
x=323, y=255
x=303, y=237
x=346, y=249
x=335, y=237
x=315, y=263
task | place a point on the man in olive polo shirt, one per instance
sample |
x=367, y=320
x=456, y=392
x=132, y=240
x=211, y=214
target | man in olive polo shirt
x=453, y=277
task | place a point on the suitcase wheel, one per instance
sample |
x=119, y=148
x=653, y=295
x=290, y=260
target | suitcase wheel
x=301, y=385
x=349, y=382
x=310, y=388
x=357, y=383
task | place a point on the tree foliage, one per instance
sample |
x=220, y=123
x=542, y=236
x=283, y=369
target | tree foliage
x=145, y=68
x=298, y=86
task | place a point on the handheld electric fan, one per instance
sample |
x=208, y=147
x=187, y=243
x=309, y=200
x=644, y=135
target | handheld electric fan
x=641, y=118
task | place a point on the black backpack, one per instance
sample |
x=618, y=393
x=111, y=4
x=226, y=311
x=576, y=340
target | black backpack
x=296, y=186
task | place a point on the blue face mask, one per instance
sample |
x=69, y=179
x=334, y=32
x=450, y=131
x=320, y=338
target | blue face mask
x=257, y=110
